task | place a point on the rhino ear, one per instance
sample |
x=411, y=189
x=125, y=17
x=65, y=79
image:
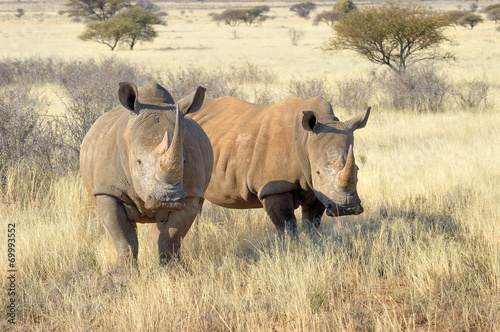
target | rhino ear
x=310, y=121
x=129, y=96
x=193, y=102
x=359, y=121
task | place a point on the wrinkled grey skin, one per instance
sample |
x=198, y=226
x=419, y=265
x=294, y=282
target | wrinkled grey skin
x=143, y=162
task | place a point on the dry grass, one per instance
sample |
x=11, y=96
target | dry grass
x=425, y=254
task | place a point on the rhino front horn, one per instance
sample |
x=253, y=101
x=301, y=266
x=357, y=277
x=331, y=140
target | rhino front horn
x=347, y=176
x=172, y=160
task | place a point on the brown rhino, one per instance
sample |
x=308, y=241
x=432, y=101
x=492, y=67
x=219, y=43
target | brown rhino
x=279, y=156
x=143, y=162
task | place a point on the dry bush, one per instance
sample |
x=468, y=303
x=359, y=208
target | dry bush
x=90, y=89
x=353, y=93
x=34, y=70
x=184, y=81
x=264, y=95
x=31, y=145
x=419, y=89
x=472, y=94
x=295, y=36
x=251, y=73
x=27, y=137
x=316, y=87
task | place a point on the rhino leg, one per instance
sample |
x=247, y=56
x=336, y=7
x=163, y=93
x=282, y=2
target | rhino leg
x=312, y=211
x=122, y=230
x=169, y=233
x=280, y=209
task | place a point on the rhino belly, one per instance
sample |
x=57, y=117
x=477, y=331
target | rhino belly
x=222, y=194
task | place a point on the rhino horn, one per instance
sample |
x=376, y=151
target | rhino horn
x=347, y=176
x=339, y=163
x=171, y=160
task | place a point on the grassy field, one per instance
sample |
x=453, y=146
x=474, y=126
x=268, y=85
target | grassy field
x=425, y=254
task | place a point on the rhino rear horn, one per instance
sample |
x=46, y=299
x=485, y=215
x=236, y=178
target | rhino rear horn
x=339, y=163
x=129, y=96
x=347, y=176
x=171, y=166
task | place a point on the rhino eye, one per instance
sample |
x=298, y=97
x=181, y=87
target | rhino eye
x=317, y=172
x=139, y=161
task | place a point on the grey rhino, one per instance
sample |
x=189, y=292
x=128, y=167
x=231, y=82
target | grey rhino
x=143, y=162
x=281, y=156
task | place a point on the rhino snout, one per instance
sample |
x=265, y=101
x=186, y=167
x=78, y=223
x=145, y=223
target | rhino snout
x=167, y=201
x=334, y=210
x=342, y=205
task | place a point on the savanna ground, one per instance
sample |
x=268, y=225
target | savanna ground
x=423, y=256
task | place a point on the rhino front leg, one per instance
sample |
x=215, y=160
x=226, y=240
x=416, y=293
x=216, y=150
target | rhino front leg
x=122, y=230
x=280, y=209
x=312, y=212
x=169, y=233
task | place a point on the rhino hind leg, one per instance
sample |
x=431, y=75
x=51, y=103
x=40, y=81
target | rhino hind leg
x=280, y=209
x=122, y=230
x=312, y=212
x=170, y=233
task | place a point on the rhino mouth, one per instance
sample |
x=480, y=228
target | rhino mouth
x=338, y=211
x=349, y=205
x=171, y=204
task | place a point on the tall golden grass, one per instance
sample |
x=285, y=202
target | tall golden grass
x=425, y=254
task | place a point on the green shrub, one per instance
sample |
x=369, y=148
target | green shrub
x=344, y=6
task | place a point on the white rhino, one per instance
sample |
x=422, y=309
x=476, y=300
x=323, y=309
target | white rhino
x=143, y=162
x=281, y=156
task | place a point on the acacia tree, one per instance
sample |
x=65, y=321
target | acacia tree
x=138, y=23
x=109, y=32
x=100, y=10
x=256, y=14
x=344, y=6
x=470, y=20
x=130, y=26
x=328, y=17
x=231, y=17
x=494, y=15
x=19, y=13
x=456, y=15
x=490, y=7
x=303, y=9
x=393, y=33
x=234, y=17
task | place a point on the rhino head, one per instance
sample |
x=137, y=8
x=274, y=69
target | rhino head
x=155, y=142
x=328, y=145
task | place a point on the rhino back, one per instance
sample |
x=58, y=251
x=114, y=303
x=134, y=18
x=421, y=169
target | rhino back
x=254, y=149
